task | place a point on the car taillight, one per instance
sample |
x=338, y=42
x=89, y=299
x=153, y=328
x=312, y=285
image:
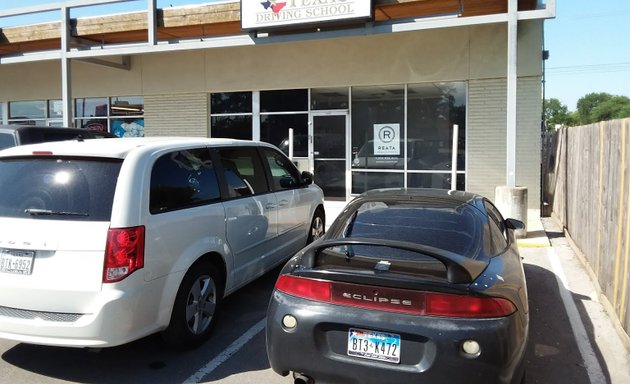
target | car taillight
x=467, y=306
x=124, y=253
x=318, y=290
x=395, y=300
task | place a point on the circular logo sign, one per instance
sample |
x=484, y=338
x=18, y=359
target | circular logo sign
x=387, y=134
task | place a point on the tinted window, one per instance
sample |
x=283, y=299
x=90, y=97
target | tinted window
x=183, y=179
x=232, y=127
x=274, y=129
x=231, y=102
x=497, y=229
x=243, y=171
x=37, y=135
x=455, y=230
x=6, y=140
x=284, y=175
x=58, y=188
x=284, y=101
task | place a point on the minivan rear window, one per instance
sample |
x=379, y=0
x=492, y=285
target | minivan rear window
x=6, y=140
x=58, y=188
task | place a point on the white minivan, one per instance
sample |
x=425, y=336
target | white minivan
x=106, y=241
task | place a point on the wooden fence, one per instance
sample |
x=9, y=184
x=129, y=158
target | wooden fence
x=586, y=187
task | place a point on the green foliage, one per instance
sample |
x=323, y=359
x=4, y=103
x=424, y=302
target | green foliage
x=587, y=103
x=591, y=108
x=617, y=107
x=556, y=113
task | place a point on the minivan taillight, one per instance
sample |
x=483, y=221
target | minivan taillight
x=124, y=253
x=394, y=299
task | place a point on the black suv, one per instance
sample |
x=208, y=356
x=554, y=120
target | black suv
x=13, y=135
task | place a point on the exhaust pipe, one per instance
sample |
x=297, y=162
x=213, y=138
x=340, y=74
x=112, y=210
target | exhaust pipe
x=300, y=378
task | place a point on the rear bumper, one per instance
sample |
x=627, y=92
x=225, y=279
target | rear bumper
x=118, y=316
x=430, y=347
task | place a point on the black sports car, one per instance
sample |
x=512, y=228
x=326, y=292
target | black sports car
x=407, y=286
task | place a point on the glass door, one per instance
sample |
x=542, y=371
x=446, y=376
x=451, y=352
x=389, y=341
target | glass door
x=329, y=132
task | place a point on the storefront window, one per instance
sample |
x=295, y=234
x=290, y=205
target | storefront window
x=232, y=127
x=35, y=112
x=363, y=181
x=439, y=180
x=435, y=111
x=231, y=115
x=378, y=133
x=274, y=129
x=129, y=127
x=55, y=109
x=329, y=98
x=231, y=102
x=380, y=156
x=91, y=107
x=280, y=111
x=120, y=115
x=293, y=100
x=127, y=106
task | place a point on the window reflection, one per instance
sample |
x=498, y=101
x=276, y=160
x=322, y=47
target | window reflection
x=433, y=110
x=274, y=129
x=105, y=115
x=233, y=127
x=91, y=107
x=329, y=98
x=231, y=102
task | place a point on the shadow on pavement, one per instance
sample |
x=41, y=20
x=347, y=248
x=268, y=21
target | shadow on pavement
x=148, y=360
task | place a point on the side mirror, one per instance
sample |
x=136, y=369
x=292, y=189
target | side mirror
x=514, y=224
x=307, y=178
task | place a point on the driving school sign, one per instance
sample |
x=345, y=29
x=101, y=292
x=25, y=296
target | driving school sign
x=386, y=139
x=262, y=14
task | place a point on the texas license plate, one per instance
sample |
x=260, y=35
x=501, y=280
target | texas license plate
x=374, y=345
x=16, y=261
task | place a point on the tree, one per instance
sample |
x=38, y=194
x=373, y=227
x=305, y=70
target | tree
x=616, y=107
x=587, y=103
x=556, y=113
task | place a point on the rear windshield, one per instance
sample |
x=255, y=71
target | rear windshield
x=457, y=230
x=58, y=188
x=6, y=140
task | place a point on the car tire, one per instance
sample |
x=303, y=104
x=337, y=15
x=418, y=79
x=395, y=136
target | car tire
x=318, y=226
x=196, y=307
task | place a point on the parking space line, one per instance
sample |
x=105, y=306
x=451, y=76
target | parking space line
x=593, y=368
x=227, y=353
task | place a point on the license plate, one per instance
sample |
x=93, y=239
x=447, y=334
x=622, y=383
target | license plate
x=16, y=261
x=374, y=345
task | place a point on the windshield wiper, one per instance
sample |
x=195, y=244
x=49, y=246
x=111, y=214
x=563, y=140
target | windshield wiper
x=50, y=212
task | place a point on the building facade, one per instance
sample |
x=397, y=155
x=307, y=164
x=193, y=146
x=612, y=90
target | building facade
x=417, y=100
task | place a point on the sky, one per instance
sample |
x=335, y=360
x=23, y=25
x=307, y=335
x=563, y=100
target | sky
x=588, y=42
x=589, y=50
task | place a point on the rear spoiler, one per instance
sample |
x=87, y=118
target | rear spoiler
x=459, y=269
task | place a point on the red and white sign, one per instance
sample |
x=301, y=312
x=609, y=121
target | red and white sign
x=263, y=14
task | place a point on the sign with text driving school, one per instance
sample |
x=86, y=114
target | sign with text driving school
x=264, y=14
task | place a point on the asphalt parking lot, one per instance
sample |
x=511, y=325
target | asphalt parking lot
x=572, y=339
